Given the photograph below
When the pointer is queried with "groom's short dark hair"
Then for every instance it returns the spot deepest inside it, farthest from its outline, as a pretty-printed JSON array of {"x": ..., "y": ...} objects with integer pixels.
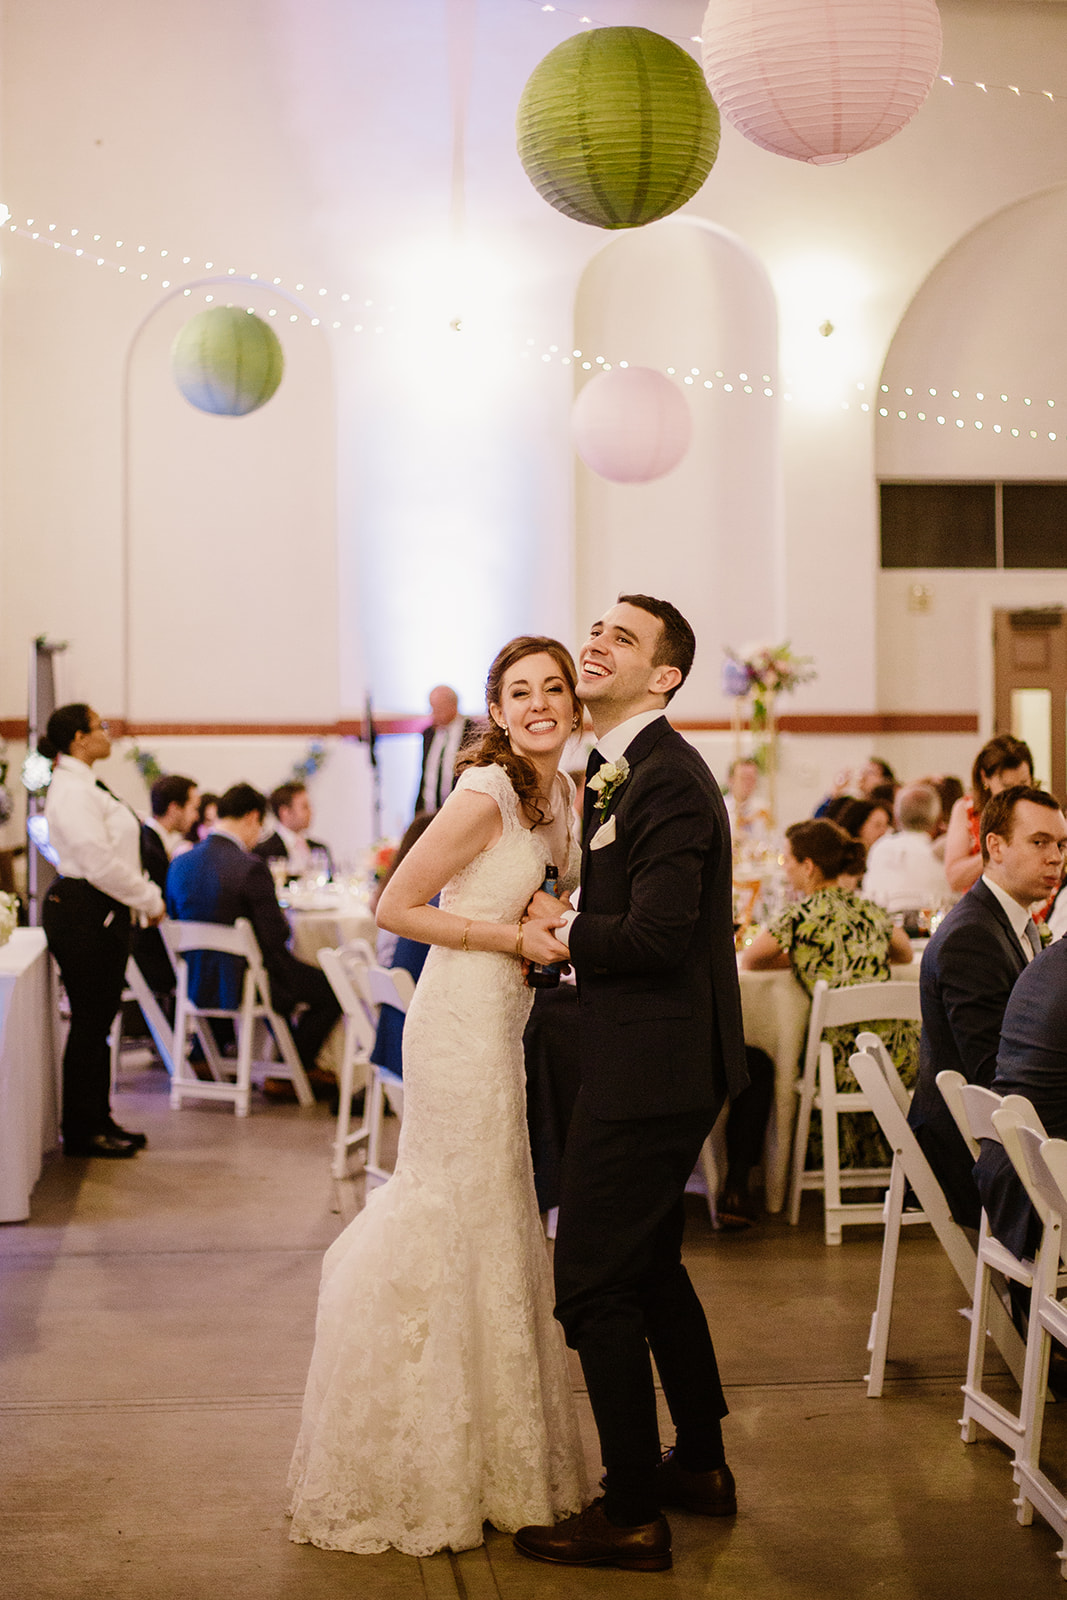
[{"x": 677, "y": 641}]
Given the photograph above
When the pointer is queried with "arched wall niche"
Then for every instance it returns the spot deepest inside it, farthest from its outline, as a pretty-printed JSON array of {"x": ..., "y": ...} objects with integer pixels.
[
  {"x": 231, "y": 536},
  {"x": 987, "y": 321},
  {"x": 708, "y": 535}
]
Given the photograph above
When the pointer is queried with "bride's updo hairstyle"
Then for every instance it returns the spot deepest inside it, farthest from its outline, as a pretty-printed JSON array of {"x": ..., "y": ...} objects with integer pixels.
[
  {"x": 831, "y": 849},
  {"x": 494, "y": 747},
  {"x": 63, "y": 726}
]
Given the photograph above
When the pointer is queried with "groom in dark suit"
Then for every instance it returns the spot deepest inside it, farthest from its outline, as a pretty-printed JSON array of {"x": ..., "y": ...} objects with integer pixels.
[{"x": 662, "y": 1048}]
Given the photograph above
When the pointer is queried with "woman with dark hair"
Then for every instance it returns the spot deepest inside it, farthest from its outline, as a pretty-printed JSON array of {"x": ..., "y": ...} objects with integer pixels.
[
  {"x": 207, "y": 812},
  {"x": 830, "y": 933},
  {"x": 439, "y": 1397},
  {"x": 865, "y": 820},
  {"x": 1001, "y": 763},
  {"x": 86, "y": 918}
]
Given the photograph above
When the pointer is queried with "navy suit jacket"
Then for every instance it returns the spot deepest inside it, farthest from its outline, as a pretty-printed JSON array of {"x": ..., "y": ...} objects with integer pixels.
[
  {"x": 219, "y": 881},
  {"x": 653, "y": 946},
  {"x": 967, "y": 976},
  {"x": 1033, "y": 1062}
]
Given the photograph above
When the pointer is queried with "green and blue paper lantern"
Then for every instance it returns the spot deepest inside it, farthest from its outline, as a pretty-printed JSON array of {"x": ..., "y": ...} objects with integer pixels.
[
  {"x": 616, "y": 127},
  {"x": 227, "y": 361}
]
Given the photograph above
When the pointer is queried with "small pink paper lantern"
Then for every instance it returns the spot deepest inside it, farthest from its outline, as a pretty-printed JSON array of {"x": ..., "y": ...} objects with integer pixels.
[
  {"x": 631, "y": 425},
  {"x": 820, "y": 80}
]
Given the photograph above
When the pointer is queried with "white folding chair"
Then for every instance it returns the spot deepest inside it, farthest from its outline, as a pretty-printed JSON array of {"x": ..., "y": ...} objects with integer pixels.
[
  {"x": 362, "y": 988},
  {"x": 1042, "y": 1168},
  {"x": 384, "y": 986},
  {"x": 158, "y": 1026},
  {"x": 230, "y": 1080},
  {"x": 881, "y": 1085},
  {"x": 979, "y": 1105},
  {"x": 859, "y": 1002}
]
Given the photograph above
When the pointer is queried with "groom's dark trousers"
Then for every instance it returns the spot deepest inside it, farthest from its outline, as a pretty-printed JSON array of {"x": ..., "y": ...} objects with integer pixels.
[{"x": 662, "y": 1047}]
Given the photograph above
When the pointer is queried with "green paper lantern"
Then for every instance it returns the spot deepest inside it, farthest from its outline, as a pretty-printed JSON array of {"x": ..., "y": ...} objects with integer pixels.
[
  {"x": 227, "y": 361},
  {"x": 616, "y": 127}
]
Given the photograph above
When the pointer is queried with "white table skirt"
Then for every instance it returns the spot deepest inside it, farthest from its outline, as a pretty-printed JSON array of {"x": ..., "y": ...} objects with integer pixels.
[
  {"x": 29, "y": 1089},
  {"x": 775, "y": 1012}
]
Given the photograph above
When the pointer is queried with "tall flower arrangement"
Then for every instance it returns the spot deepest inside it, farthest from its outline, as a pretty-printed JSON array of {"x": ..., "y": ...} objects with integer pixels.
[{"x": 754, "y": 678}]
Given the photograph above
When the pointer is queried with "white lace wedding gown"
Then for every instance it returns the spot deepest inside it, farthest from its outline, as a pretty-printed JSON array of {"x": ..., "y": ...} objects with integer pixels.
[{"x": 438, "y": 1396}]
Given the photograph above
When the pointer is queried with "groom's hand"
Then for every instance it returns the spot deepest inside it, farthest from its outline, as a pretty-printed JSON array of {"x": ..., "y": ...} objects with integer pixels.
[{"x": 548, "y": 907}]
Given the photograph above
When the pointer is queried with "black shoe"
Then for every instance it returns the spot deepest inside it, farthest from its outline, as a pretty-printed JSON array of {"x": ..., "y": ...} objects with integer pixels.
[
  {"x": 138, "y": 1140},
  {"x": 101, "y": 1144},
  {"x": 706, "y": 1494},
  {"x": 590, "y": 1540}
]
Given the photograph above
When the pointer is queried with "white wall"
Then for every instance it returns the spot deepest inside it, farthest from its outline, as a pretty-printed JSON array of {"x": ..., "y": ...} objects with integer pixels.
[{"x": 310, "y": 140}]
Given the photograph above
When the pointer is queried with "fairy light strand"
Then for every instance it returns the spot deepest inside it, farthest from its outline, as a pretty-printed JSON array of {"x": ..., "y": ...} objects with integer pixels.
[{"x": 899, "y": 402}]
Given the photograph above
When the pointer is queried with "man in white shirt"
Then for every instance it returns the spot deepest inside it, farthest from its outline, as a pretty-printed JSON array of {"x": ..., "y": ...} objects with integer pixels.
[
  {"x": 903, "y": 873},
  {"x": 749, "y": 816},
  {"x": 291, "y": 805},
  {"x": 441, "y": 743}
]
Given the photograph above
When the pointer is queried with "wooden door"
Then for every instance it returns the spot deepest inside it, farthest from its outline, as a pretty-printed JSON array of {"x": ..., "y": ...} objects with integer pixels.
[{"x": 1030, "y": 657}]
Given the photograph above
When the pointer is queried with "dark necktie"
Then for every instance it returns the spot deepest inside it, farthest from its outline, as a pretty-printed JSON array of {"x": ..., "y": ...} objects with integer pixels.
[{"x": 592, "y": 767}]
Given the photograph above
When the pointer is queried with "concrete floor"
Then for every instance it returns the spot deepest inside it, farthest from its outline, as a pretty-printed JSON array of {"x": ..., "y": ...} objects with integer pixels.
[{"x": 156, "y": 1321}]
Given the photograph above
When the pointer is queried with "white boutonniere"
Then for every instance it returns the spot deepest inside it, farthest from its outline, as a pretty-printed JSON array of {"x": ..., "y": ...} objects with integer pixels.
[{"x": 607, "y": 783}]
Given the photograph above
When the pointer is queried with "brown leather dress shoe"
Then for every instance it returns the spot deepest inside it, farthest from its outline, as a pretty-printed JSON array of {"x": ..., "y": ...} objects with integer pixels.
[
  {"x": 590, "y": 1540},
  {"x": 735, "y": 1210},
  {"x": 706, "y": 1494}
]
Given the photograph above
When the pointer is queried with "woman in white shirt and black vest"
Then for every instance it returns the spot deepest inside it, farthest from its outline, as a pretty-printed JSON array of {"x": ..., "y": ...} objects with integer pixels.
[{"x": 87, "y": 919}]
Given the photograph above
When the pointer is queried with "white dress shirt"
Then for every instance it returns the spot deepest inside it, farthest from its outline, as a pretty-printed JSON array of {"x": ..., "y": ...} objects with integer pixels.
[
  {"x": 296, "y": 848},
  {"x": 441, "y": 762},
  {"x": 904, "y": 874},
  {"x": 98, "y": 838},
  {"x": 1018, "y": 916},
  {"x": 614, "y": 744}
]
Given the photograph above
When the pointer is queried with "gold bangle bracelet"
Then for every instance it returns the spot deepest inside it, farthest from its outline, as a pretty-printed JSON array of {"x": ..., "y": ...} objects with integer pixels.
[
  {"x": 463, "y": 942},
  {"x": 518, "y": 942}
]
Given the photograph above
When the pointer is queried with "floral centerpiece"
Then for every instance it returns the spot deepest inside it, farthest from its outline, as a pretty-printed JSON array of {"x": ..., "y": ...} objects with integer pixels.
[
  {"x": 146, "y": 764},
  {"x": 303, "y": 771},
  {"x": 381, "y": 858},
  {"x": 9, "y": 915},
  {"x": 759, "y": 674},
  {"x": 36, "y": 773}
]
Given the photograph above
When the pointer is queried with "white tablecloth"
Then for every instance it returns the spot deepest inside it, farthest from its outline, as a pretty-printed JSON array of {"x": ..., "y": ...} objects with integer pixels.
[
  {"x": 29, "y": 1091},
  {"x": 319, "y": 930},
  {"x": 775, "y": 1011}
]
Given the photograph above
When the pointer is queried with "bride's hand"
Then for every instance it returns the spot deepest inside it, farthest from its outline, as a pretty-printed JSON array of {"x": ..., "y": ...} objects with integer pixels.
[{"x": 539, "y": 943}]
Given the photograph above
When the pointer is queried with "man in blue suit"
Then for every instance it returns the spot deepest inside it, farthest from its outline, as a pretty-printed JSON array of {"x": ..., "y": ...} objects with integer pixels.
[
  {"x": 1032, "y": 1062},
  {"x": 970, "y": 969},
  {"x": 221, "y": 880}
]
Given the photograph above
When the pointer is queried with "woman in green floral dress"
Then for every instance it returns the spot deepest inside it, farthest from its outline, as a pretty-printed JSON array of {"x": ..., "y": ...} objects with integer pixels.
[{"x": 831, "y": 933}]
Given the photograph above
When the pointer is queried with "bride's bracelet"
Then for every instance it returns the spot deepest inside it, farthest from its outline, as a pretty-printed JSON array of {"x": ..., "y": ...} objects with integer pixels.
[
  {"x": 463, "y": 942},
  {"x": 518, "y": 943}
]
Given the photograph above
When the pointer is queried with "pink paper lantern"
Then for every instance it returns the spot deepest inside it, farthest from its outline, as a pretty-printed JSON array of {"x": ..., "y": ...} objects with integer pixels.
[
  {"x": 820, "y": 80},
  {"x": 631, "y": 425}
]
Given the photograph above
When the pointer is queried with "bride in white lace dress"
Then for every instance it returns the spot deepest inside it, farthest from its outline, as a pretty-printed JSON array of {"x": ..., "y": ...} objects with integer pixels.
[{"x": 438, "y": 1396}]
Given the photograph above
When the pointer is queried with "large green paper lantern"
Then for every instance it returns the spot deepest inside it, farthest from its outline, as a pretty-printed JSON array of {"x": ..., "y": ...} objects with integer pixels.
[
  {"x": 616, "y": 127},
  {"x": 227, "y": 361}
]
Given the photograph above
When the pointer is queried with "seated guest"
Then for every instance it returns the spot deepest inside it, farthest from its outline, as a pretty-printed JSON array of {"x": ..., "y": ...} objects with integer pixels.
[
  {"x": 749, "y": 816},
  {"x": 830, "y": 933},
  {"x": 175, "y": 808},
  {"x": 291, "y": 806},
  {"x": 970, "y": 969},
  {"x": 865, "y": 820},
  {"x": 1002, "y": 763},
  {"x": 174, "y": 803},
  {"x": 903, "y": 874},
  {"x": 388, "y": 1049},
  {"x": 872, "y": 775},
  {"x": 1031, "y": 1061},
  {"x": 223, "y": 879},
  {"x": 206, "y": 812}
]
